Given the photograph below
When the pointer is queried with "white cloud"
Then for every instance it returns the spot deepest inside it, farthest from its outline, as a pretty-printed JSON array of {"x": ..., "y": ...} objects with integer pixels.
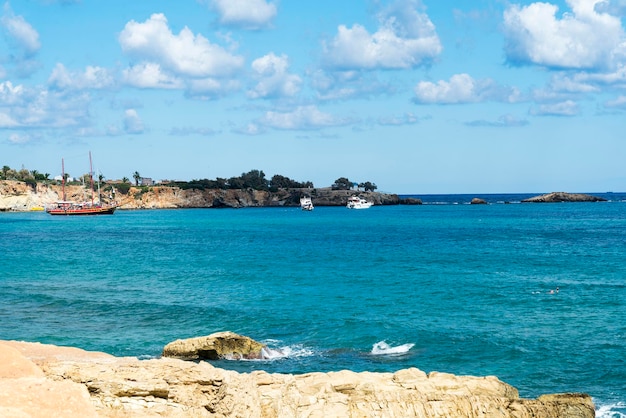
[
  {"x": 210, "y": 88},
  {"x": 344, "y": 85},
  {"x": 92, "y": 78},
  {"x": 132, "y": 122},
  {"x": 582, "y": 39},
  {"x": 149, "y": 75},
  {"x": 614, "y": 7},
  {"x": 10, "y": 94},
  {"x": 619, "y": 103},
  {"x": 6, "y": 121},
  {"x": 303, "y": 117},
  {"x": 273, "y": 78},
  {"x": 17, "y": 138},
  {"x": 566, "y": 108},
  {"x": 41, "y": 108},
  {"x": 405, "y": 39},
  {"x": 251, "y": 129},
  {"x": 183, "y": 55},
  {"x": 20, "y": 31},
  {"x": 397, "y": 120},
  {"x": 504, "y": 121},
  {"x": 462, "y": 88},
  {"x": 248, "y": 14}
]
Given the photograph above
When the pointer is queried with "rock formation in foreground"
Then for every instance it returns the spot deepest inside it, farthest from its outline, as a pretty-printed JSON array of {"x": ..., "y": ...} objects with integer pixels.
[
  {"x": 220, "y": 345},
  {"x": 556, "y": 197},
  {"x": 39, "y": 380}
]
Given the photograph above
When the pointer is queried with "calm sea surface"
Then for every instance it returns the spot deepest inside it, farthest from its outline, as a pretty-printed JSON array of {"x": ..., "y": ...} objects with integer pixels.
[{"x": 445, "y": 286}]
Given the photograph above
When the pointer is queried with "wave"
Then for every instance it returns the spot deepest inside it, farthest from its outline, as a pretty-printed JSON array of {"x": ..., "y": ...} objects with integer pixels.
[
  {"x": 272, "y": 351},
  {"x": 381, "y": 348},
  {"x": 617, "y": 410}
]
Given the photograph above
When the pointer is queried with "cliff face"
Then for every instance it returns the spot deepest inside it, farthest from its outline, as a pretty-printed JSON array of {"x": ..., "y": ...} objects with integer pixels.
[
  {"x": 40, "y": 380},
  {"x": 18, "y": 196},
  {"x": 173, "y": 197}
]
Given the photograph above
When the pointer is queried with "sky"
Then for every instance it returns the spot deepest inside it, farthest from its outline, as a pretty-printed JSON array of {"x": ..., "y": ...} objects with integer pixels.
[{"x": 415, "y": 96}]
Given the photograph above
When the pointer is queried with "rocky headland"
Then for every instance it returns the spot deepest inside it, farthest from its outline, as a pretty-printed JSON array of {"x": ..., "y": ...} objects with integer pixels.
[
  {"x": 19, "y": 196},
  {"x": 38, "y": 380}
]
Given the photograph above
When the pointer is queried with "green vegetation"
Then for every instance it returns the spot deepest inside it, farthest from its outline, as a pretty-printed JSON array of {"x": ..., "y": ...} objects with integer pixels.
[
  {"x": 23, "y": 175},
  {"x": 343, "y": 183},
  {"x": 253, "y": 179}
]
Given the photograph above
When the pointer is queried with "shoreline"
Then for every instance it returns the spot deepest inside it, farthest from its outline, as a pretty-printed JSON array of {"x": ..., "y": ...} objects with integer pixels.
[
  {"x": 47, "y": 380},
  {"x": 18, "y": 196}
]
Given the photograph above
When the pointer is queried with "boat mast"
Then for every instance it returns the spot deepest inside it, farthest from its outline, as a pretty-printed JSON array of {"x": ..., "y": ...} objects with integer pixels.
[
  {"x": 63, "y": 177},
  {"x": 91, "y": 177}
]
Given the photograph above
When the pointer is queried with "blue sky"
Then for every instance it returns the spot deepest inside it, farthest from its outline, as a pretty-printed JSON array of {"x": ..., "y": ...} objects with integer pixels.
[{"x": 487, "y": 96}]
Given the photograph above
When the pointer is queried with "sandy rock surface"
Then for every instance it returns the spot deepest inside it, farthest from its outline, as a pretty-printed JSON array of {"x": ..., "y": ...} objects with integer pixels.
[{"x": 39, "y": 380}]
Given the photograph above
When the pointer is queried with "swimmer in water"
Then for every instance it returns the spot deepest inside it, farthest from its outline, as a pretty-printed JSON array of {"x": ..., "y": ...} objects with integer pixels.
[{"x": 554, "y": 291}]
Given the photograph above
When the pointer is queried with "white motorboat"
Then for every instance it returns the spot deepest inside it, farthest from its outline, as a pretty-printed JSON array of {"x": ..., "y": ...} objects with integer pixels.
[
  {"x": 306, "y": 203},
  {"x": 355, "y": 202}
]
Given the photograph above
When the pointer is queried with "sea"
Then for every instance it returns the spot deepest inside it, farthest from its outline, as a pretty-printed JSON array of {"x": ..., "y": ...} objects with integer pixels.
[{"x": 534, "y": 294}]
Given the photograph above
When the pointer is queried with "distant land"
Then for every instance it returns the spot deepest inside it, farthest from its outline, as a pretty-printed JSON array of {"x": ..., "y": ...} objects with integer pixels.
[{"x": 26, "y": 196}]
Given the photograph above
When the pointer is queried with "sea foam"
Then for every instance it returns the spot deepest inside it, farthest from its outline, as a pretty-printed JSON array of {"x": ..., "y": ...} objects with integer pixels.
[
  {"x": 617, "y": 410},
  {"x": 382, "y": 348}
]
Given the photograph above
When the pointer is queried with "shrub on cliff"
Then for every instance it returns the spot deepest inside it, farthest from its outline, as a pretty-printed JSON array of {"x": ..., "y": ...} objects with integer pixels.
[{"x": 123, "y": 188}]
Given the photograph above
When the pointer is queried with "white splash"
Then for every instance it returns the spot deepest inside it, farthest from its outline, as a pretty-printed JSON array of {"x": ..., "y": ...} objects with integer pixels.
[
  {"x": 274, "y": 353},
  {"x": 611, "y": 411},
  {"x": 382, "y": 348}
]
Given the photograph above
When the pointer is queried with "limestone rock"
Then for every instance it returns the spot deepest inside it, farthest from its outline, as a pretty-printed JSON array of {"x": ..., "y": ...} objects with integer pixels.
[
  {"x": 563, "y": 197},
  {"x": 25, "y": 392},
  {"x": 478, "y": 201},
  {"x": 215, "y": 346},
  {"x": 128, "y": 387}
]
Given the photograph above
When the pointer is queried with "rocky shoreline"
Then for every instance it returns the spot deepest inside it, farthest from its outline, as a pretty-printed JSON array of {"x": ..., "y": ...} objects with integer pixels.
[
  {"x": 38, "y": 380},
  {"x": 16, "y": 196},
  {"x": 19, "y": 196}
]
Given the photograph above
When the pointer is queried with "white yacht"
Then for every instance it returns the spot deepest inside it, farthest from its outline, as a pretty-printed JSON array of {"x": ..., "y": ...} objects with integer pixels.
[
  {"x": 306, "y": 203},
  {"x": 355, "y": 202}
]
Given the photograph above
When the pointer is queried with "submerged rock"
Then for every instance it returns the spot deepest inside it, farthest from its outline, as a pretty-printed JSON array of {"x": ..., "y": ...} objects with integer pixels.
[
  {"x": 104, "y": 386},
  {"x": 215, "y": 346},
  {"x": 563, "y": 197}
]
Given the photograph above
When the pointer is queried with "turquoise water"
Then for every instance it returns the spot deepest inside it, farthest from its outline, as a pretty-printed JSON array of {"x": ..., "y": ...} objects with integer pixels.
[{"x": 468, "y": 285}]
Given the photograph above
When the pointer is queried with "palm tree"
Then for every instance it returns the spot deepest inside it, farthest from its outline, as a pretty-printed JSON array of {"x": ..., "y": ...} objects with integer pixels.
[
  {"x": 136, "y": 176},
  {"x": 124, "y": 179},
  {"x": 5, "y": 170}
]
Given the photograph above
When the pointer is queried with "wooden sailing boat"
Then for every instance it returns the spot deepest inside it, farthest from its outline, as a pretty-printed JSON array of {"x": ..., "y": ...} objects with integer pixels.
[{"x": 65, "y": 207}]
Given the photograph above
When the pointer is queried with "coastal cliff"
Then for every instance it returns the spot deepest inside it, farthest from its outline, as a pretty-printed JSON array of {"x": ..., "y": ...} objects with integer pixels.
[
  {"x": 19, "y": 196},
  {"x": 38, "y": 380}
]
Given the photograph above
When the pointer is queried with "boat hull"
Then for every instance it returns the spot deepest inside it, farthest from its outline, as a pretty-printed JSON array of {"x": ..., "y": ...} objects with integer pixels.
[{"x": 83, "y": 211}]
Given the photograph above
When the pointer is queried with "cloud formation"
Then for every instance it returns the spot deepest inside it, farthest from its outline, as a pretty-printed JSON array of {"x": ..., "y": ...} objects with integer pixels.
[
  {"x": 302, "y": 118},
  {"x": 132, "y": 122},
  {"x": 405, "y": 39},
  {"x": 182, "y": 55},
  {"x": 565, "y": 108},
  {"x": 92, "y": 78},
  {"x": 586, "y": 38},
  {"x": 273, "y": 78},
  {"x": 462, "y": 88},
  {"x": 247, "y": 14},
  {"x": 23, "y": 35}
]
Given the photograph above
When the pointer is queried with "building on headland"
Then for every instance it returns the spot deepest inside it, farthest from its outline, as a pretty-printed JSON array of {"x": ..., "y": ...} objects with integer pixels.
[{"x": 146, "y": 181}]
